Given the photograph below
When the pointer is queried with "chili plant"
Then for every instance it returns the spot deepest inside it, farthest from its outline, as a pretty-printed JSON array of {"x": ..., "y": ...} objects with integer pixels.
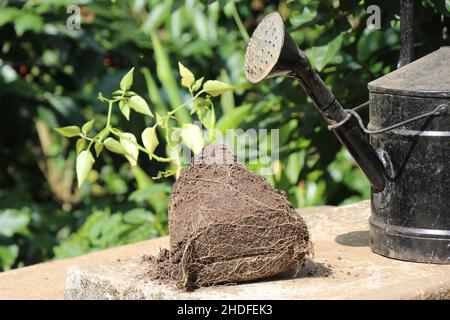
[{"x": 126, "y": 143}]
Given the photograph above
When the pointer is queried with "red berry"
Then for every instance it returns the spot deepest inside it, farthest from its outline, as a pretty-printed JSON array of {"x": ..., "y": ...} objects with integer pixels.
[{"x": 23, "y": 69}]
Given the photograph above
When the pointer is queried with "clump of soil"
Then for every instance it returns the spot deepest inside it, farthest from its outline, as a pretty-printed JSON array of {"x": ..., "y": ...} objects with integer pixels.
[{"x": 228, "y": 225}]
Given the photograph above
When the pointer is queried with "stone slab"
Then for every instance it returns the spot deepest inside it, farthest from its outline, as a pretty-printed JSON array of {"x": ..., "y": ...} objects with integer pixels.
[
  {"x": 46, "y": 281},
  {"x": 343, "y": 267}
]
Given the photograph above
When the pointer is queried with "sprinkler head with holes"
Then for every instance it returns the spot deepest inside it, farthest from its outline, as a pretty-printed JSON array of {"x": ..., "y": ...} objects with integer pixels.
[{"x": 271, "y": 50}]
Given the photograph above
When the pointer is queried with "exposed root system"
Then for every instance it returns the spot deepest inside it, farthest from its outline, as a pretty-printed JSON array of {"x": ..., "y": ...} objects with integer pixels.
[{"x": 228, "y": 225}]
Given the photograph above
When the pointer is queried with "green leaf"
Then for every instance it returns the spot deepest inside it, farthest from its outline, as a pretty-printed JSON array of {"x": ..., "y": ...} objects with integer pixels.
[
  {"x": 137, "y": 216},
  {"x": 127, "y": 80},
  {"x": 167, "y": 79},
  {"x": 157, "y": 16},
  {"x": 321, "y": 56},
  {"x": 209, "y": 120},
  {"x": 138, "y": 104},
  {"x": 206, "y": 114},
  {"x": 228, "y": 8},
  {"x": 13, "y": 221},
  {"x": 294, "y": 166},
  {"x": 114, "y": 146},
  {"x": 201, "y": 24},
  {"x": 125, "y": 109},
  {"x": 70, "y": 131},
  {"x": 87, "y": 126},
  {"x": 142, "y": 179},
  {"x": 98, "y": 148},
  {"x": 8, "y": 255},
  {"x": 176, "y": 158},
  {"x": 227, "y": 98},
  {"x": 81, "y": 143},
  {"x": 27, "y": 21},
  {"x": 153, "y": 92},
  {"x": 232, "y": 120},
  {"x": 192, "y": 137},
  {"x": 443, "y": 6},
  {"x": 300, "y": 17},
  {"x": 85, "y": 160},
  {"x": 128, "y": 142},
  {"x": 187, "y": 77},
  {"x": 369, "y": 43},
  {"x": 201, "y": 107},
  {"x": 156, "y": 194},
  {"x": 216, "y": 87},
  {"x": 7, "y": 15},
  {"x": 197, "y": 84},
  {"x": 150, "y": 139}
]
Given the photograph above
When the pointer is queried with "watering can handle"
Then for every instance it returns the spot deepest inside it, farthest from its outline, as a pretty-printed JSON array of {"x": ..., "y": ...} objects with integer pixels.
[{"x": 440, "y": 110}]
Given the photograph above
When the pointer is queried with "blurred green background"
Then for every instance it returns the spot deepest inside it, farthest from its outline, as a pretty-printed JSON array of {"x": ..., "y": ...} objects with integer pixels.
[{"x": 50, "y": 77}]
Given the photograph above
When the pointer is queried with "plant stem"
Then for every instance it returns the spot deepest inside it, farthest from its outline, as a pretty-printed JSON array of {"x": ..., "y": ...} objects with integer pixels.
[
  {"x": 91, "y": 140},
  {"x": 108, "y": 122},
  {"x": 185, "y": 103},
  {"x": 213, "y": 125}
]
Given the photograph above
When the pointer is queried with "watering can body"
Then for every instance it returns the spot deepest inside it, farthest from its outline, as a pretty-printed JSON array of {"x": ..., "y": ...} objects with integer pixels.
[{"x": 410, "y": 217}]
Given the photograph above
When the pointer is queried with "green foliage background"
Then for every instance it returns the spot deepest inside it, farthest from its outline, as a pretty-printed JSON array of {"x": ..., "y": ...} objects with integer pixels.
[{"x": 50, "y": 77}]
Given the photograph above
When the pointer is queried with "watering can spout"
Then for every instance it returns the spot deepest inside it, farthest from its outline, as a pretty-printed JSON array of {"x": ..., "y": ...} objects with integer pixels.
[{"x": 272, "y": 52}]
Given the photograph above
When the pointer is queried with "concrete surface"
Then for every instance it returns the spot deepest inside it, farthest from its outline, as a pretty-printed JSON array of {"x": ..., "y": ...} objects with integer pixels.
[{"x": 343, "y": 267}]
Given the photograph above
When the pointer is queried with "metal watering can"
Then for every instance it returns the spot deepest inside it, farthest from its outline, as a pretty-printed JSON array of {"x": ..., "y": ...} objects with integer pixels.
[{"x": 405, "y": 150}]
